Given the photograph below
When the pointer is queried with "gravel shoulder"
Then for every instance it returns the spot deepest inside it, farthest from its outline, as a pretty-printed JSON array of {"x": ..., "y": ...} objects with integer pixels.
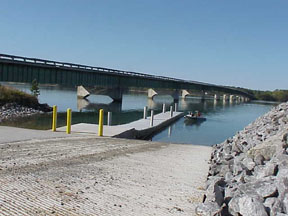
[{"x": 101, "y": 176}]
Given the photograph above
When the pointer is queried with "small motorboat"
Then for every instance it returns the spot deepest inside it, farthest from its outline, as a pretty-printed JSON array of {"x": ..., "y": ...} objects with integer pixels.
[{"x": 193, "y": 117}]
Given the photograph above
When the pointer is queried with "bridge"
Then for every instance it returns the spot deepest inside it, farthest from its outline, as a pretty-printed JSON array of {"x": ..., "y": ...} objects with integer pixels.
[{"x": 105, "y": 81}]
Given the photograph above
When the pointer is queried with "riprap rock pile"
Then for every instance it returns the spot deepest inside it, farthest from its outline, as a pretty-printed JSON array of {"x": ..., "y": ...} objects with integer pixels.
[
  {"x": 12, "y": 110},
  {"x": 249, "y": 173}
]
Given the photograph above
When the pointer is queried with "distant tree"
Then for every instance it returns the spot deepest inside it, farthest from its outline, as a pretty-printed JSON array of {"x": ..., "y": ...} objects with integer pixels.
[
  {"x": 276, "y": 95},
  {"x": 266, "y": 96},
  {"x": 281, "y": 95},
  {"x": 35, "y": 88}
]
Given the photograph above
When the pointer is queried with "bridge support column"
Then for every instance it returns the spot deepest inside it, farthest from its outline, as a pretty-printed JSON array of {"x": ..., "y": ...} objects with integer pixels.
[
  {"x": 216, "y": 97},
  {"x": 82, "y": 92},
  {"x": 116, "y": 94},
  {"x": 203, "y": 96},
  {"x": 151, "y": 93},
  {"x": 184, "y": 93},
  {"x": 173, "y": 93},
  {"x": 238, "y": 98},
  {"x": 225, "y": 97},
  {"x": 232, "y": 98}
]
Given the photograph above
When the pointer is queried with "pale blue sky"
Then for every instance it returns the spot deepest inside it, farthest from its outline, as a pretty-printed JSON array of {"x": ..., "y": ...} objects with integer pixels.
[{"x": 227, "y": 42}]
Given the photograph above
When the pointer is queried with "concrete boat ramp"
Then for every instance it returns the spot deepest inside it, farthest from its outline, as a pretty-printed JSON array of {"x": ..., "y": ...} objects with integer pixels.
[
  {"x": 54, "y": 173},
  {"x": 139, "y": 129}
]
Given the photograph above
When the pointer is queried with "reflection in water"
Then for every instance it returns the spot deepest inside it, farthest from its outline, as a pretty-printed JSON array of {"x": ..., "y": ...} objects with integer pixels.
[
  {"x": 85, "y": 104},
  {"x": 215, "y": 103},
  {"x": 224, "y": 103},
  {"x": 194, "y": 122},
  {"x": 82, "y": 103},
  {"x": 158, "y": 104},
  {"x": 223, "y": 118},
  {"x": 205, "y": 104},
  {"x": 169, "y": 131}
]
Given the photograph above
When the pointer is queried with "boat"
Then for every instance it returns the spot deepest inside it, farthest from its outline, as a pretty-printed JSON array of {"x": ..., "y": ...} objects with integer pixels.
[{"x": 193, "y": 117}]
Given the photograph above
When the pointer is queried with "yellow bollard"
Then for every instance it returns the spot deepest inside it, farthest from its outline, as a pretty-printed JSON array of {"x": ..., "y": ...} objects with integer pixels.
[
  {"x": 100, "y": 126},
  {"x": 69, "y": 116},
  {"x": 54, "y": 118}
]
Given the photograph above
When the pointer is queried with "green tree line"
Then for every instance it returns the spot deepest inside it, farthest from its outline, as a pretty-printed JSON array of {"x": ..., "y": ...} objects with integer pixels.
[{"x": 277, "y": 95}]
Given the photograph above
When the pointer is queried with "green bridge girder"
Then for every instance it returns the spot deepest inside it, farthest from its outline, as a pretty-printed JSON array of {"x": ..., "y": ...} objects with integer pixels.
[{"x": 24, "y": 70}]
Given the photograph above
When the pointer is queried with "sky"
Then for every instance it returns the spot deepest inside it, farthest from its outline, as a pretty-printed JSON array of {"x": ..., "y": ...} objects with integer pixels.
[{"x": 224, "y": 42}]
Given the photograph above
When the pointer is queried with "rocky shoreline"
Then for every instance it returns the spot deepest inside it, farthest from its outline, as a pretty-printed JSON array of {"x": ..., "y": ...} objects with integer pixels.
[
  {"x": 11, "y": 111},
  {"x": 248, "y": 173}
]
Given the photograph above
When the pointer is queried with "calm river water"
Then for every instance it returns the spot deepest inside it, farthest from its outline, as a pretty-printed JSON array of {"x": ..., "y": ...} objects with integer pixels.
[{"x": 223, "y": 120}]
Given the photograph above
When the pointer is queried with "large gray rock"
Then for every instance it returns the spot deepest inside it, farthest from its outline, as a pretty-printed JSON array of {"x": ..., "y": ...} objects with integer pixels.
[
  {"x": 269, "y": 202},
  {"x": 285, "y": 203},
  {"x": 282, "y": 182},
  {"x": 268, "y": 148},
  {"x": 248, "y": 163},
  {"x": 263, "y": 188},
  {"x": 280, "y": 214},
  {"x": 285, "y": 140},
  {"x": 246, "y": 206},
  {"x": 208, "y": 209},
  {"x": 259, "y": 159},
  {"x": 266, "y": 189},
  {"x": 277, "y": 207},
  {"x": 230, "y": 192},
  {"x": 250, "y": 170},
  {"x": 270, "y": 169},
  {"x": 214, "y": 191}
]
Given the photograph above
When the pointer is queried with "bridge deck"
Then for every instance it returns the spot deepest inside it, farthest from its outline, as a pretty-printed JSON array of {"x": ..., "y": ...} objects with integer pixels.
[{"x": 23, "y": 69}]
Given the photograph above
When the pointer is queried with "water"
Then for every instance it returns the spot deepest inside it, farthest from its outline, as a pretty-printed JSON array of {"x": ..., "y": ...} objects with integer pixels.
[{"x": 223, "y": 120}]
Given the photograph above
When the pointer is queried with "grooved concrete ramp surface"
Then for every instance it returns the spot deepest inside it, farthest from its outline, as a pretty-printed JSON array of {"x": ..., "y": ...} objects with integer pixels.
[
  {"x": 12, "y": 134},
  {"x": 100, "y": 176}
]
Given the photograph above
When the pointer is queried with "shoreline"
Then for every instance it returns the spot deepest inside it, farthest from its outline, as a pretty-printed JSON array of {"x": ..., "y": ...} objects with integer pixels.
[
  {"x": 13, "y": 111},
  {"x": 248, "y": 172}
]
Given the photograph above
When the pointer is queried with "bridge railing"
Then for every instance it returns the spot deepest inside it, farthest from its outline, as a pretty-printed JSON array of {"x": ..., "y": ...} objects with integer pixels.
[
  {"x": 85, "y": 67},
  {"x": 37, "y": 61}
]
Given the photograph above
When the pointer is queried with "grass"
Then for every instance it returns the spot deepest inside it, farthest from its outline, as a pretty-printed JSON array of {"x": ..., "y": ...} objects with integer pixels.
[{"x": 11, "y": 95}]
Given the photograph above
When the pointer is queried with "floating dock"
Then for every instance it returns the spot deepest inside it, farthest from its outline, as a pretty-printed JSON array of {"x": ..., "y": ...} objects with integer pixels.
[{"x": 139, "y": 129}]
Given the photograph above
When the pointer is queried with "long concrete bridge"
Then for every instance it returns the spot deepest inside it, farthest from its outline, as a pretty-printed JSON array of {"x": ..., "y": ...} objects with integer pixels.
[{"x": 104, "y": 81}]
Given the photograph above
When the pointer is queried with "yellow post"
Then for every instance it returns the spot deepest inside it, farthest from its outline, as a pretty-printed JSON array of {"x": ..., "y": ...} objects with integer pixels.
[
  {"x": 100, "y": 126},
  {"x": 54, "y": 118},
  {"x": 69, "y": 115}
]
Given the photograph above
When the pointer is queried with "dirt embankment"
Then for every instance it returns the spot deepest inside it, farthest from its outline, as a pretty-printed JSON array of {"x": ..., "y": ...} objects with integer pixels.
[{"x": 15, "y": 103}]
